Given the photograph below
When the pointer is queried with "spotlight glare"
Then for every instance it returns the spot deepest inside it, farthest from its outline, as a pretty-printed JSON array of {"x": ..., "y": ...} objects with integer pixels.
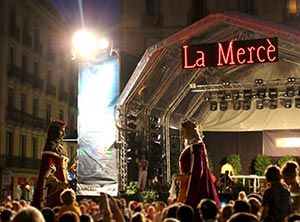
[
  {"x": 84, "y": 43},
  {"x": 103, "y": 44}
]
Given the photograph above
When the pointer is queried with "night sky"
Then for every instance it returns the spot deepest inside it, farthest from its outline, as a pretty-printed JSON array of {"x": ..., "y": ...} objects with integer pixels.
[{"x": 101, "y": 16}]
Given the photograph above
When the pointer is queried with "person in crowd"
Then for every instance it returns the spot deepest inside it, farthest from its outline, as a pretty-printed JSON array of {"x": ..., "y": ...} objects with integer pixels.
[
  {"x": 6, "y": 215},
  {"x": 243, "y": 217},
  {"x": 160, "y": 207},
  {"x": 29, "y": 214},
  {"x": 241, "y": 206},
  {"x": 69, "y": 216},
  {"x": 185, "y": 213},
  {"x": 290, "y": 175},
  {"x": 208, "y": 210},
  {"x": 68, "y": 198},
  {"x": 227, "y": 167},
  {"x": 276, "y": 199},
  {"x": 255, "y": 205},
  {"x": 142, "y": 173},
  {"x": 138, "y": 217},
  {"x": 52, "y": 177},
  {"x": 86, "y": 218},
  {"x": 226, "y": 212},
  {"x": 195, "y": 177},
  {"x": 242, "y": 196},
  {"x": 225, "y": 183},
  {"x": 171, "y": 220},
  {"x": 295, "y": 217},
  {"x": 48, "y": 214}
]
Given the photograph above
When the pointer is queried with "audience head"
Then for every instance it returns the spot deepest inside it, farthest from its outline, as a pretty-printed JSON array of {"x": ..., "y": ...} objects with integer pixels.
[
  {"x": 69, "y": 216},
  {"x": 243, "y": 217},
  {"x": 255, "y": 205},
  {"x": 207, "y": 209},
  {"x": 68, "y": 196},
  {"x": 290, "y": 171},
  {"x": 256, "y": 196},
  {"x": 273, "y": 174},
  {"x": 242, "y": 196},
  {"x": 86, "y": 218},
  {"x": 138, "y": 217},
  {"x": 6, "y": 215},
  {"x": 172, "y": 210},
  {"x": 29, "y": 214},
  {"x": 241, "y": 206},
  {"x": 185, "y": 213},
  {"x": 48, "y": 214},
  {"x": 171, "y": 220},
  {"x": 293, "y": 218},
  {"x": 226, "y": 212}
]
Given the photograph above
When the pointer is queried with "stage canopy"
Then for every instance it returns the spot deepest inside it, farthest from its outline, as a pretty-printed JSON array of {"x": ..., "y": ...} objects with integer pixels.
[{"x": 161, "y": 88}]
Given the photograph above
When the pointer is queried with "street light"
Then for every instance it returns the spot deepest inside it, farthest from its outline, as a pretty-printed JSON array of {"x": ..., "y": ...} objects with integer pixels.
[{"x": 86, "y": 45}]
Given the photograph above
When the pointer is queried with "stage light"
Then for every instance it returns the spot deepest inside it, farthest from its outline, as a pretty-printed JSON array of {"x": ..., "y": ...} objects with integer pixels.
[
  {"x": 258, "y": 81},
  {"x": 248, "y": 94},
  {"x": 235, "y": 94},
  {"x": 226, "y": 83},
  {"x": 154, "y": 119},
  {"x": 223, "y": 105},
  {"x": 287, "y": 103},
  {"x": 131, "y": 117},
  {"x": 156, "y": 138},
  {"x": 259, "y": 104},
  {"x": 227, "y": 95},
  {"x": 246, "y": 104},
  {"x": 273, "y": 104},
  {"x": 221, "y": 95},
  {"x": 84, "y": 44},
  {"x": 273, "y": 93},
  {"x": 261, "y": 93},
  {"x": 290, "y": 92},
  {"x": 291, "y": 79},
  {"x": 297, "y": 103},
  {"x": 213, "y": 105},
  {"x": 237, "y": 105}
]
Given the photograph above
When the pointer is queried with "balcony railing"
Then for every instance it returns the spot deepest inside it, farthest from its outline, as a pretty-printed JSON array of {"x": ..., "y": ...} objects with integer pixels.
[
  {"x": 51, "y": 56},
  {"x": 19, "y": 162},
  {"x": 14, "y": 71},
  {"x": 27, "y": 40},
  {"x": 38, "y": 83},
  {"x": 27, "y": 78},
  {"x": 14, "y": 32},
  {"x": 24, "y": 118},
  {"x": 51, "y": 89},
  {"x": 38, "y": 47},
  {"x": 63, "y": 95}
]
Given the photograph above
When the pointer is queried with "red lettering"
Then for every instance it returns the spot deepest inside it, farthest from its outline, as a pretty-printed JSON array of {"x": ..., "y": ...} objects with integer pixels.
[
  {"x": 258, "y": 55},
  {"x": 200, "y": 62},
  {"x": 241, "y": 52},
  {"x": 222, "y": 55},
  {"x": 270, "y": 49},
  {"x": 186, "y": 66},
  {"x": 250, "y": 49}
]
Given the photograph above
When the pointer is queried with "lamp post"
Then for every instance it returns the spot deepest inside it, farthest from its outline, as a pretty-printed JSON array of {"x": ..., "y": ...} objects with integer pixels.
[{"x": 98, "y": 89}]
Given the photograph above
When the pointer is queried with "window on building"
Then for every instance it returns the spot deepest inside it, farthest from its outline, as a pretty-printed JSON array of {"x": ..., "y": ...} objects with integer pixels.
[
  {"x": 23, "y": 102},
  {"x": 22, "y": 146},
  {"x": 49, "y": 77},
  {"x": 37, "y": 36},
  {"x": 9, "y": 143},
  {"x": 35, "y": 107},
  {"x": 11, "y": 55},
  {"x": 10, "y": 99},
  {"x": 35, "y": 69},
  {"x": 72, "y": 121},
  {"x": 293, "y": 7},
  {"x": 12, "y": 16},
  {"x": 246, "y": 6},
  {"x": 24, "y": 63},
  {"x": 61, "y": 114},
  {"x": 152, "y": 7},
  {"x": 62, "y": 84},
  {"x": 198, "y": 9},
  {"x": 48, "y": 111},
  {"x": 34, "y": 144}
]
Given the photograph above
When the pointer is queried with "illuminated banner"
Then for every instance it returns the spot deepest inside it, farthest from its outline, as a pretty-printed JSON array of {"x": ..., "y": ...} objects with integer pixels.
[
  {"x": 230, "y": 53},
  {"x": 97, "y": 160}
]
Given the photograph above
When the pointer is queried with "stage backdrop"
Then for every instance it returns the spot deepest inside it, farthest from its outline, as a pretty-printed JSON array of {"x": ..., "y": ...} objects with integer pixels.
[{"x": 97, "y": 160}]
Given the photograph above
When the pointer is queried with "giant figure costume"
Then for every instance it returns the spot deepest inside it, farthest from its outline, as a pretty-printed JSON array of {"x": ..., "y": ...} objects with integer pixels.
[
  {"x": 196, "y": 182},
  {"x": 53, "y": 170}
]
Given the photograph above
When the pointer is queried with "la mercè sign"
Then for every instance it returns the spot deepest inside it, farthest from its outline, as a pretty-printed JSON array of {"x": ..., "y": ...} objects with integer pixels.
[{"x": 230, "y": 53}]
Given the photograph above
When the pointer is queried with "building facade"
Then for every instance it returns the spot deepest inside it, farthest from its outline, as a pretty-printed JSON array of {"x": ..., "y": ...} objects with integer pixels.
[
  {"x": 38, "y": 82},
  {"x": 145, "y": 22}
]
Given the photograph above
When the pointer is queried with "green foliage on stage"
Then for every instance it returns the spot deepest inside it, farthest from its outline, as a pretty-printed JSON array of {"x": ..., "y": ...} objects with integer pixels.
[
  {"x": 261, "y": 163},
  {"x": 149, "y": 196},
  {"x": 132, "y": 188},
  {"x": 235, "y": 161},
  {"x": 286, "y": 158}
]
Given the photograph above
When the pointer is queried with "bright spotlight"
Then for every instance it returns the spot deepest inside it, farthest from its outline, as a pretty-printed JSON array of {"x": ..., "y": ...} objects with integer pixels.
[
  {"x": 84, "y": 44},
  {"x": 103, "y": 44}
]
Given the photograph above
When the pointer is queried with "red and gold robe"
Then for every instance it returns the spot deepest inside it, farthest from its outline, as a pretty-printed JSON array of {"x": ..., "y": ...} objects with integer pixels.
[{"x": 196, "y": 182}]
